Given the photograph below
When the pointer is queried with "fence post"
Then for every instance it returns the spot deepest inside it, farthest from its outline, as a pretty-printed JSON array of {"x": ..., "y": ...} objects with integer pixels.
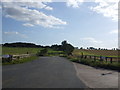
[
  {"x": 106, "y": 59},
  {"x": 81, "y": 54},
  {"x": 18, "y": 57},
  {"x": 111, "y": 60},
  {"x": 94, "y": 58},
  {"x": 90, "y": 57},
  {"x": 79, "y": 58},
  {"x": 101, "y": 59},
  {"x": 85, "y": 56}
]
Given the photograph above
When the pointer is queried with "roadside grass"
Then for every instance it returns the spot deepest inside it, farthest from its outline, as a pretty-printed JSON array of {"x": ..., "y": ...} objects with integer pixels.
[
  {"x": 96, "y": 64},
  {"x": 19, "y": 50},
  {"x": 22, "y": 60},
  {"x": 101, "y": 64}
]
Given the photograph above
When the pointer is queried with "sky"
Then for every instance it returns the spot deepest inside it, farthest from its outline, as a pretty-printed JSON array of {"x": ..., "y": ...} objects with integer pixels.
[{"x": 82, "y": 24}]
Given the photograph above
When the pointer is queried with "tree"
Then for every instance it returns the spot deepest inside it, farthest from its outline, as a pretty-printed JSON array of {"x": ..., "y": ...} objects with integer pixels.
[
  {"x": 56, "y": 47},
  {"x": 91, "y": 48},
  {"x": 81, "y": 48},
  {"x": 67, "y": 48},
  {"x": 64, "y": 43}
]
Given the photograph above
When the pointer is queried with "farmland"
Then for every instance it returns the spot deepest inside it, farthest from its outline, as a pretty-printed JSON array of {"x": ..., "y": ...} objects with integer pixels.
[{"x": 106, "y": 53}]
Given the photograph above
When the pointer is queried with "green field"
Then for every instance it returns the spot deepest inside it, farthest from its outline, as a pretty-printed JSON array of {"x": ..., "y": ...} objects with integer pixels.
[
  {"x": 23, "y": 50},
  {"x": 19, "y": 50}
]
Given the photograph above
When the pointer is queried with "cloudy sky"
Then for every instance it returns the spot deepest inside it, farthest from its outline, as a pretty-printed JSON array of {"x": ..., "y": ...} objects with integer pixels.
[{"x": 83, "y": 24}]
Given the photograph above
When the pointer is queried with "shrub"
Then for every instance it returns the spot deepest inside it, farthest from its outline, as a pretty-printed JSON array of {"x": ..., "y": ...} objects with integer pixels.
[{"x": 43, "y": 52}]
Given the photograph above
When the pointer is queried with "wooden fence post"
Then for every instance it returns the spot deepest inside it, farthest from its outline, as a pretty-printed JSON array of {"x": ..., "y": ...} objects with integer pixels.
[
  {"x": 81, "y": 54},
  {"x": 94, "y": 58},
  {"x": 111, "y": 60},
  {"x": 106, "y": 59},
  {"x": 101, "y": 58},
  {"x": 79, "y": 58},
  {"x": 90, "y": 57},
  {"x": 85, "y": 57}
]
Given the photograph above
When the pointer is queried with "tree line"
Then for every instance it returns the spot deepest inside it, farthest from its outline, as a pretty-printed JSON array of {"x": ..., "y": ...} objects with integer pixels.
[
  {"x": 65, "y": 47},
  {"x": 92, "y": 48},
  {"x": 21, "y": 44}
]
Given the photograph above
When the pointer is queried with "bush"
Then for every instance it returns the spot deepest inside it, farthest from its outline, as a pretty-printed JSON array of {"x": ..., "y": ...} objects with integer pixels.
[{"x": 42, "y": 52}]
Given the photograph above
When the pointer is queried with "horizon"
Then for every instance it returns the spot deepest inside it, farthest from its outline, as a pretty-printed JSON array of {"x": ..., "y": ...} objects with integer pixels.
[
  {"x": 59, "y": 44},
  {"x": 82, "y": 24}
]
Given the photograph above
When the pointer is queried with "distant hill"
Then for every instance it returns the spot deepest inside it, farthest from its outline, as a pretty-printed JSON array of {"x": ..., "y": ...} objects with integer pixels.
[{"x": 21, "y": 44}]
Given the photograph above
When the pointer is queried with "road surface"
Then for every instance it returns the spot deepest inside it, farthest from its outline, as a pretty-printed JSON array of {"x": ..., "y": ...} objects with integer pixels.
[
  {"x": 46, "y": 72},
  {"x": 97, "y": 78}
]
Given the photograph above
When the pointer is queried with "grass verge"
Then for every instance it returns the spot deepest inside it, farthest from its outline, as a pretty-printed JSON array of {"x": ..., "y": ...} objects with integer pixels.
[
  {"x": 22, "y": 60},
  {"x": 97, "y": 63}
]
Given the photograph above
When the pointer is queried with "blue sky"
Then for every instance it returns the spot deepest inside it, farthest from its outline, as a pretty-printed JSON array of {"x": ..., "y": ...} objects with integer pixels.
[{"x": 82, "y": 24}]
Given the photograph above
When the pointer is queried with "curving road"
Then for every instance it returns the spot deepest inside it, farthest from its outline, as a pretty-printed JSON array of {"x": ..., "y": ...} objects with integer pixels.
[{"x": 46, "y": 72}]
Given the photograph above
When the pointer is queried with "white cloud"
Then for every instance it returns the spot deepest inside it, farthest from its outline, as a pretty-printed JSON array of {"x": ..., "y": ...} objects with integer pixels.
[
  {"x": 39, "y": 5},
  {"x": 10, "y": 33},
  {"x": 26, "y": 0},
  {"x": 28, "y": 24},
  {"x": 114, "y": 32},
  {"x": 90, "y": 41},
  {"x": 107, "y": 8},
  {"x": 16, "y": 33},
  {"x": 48, "y": 8},
  {"x": 31, "y": 17},
  {"x": 74, "y": 3}
]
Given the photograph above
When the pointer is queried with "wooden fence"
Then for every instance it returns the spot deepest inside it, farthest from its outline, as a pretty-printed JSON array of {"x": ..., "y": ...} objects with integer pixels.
[
  {"x": 20, "y": 56},
  {"x": 15, "y": 57},
  {"x": 100, "y": 58}
]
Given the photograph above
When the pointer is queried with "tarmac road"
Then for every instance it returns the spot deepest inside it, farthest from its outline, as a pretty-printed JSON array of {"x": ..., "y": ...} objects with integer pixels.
[{"x": 46, "y": 72}]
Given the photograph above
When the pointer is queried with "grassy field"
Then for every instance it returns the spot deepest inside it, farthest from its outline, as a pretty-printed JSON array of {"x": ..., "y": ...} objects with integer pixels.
[
  {"x": 19, "y": 50},
  {"x": 22, "y": 50},
  {"x": 106, "y": 53}
]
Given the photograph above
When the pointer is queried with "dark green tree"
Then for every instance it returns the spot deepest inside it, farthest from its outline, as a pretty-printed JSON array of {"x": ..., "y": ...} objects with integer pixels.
[
  {"x": 43, "y": 52},
  {"x": 67, "y": 48}
]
